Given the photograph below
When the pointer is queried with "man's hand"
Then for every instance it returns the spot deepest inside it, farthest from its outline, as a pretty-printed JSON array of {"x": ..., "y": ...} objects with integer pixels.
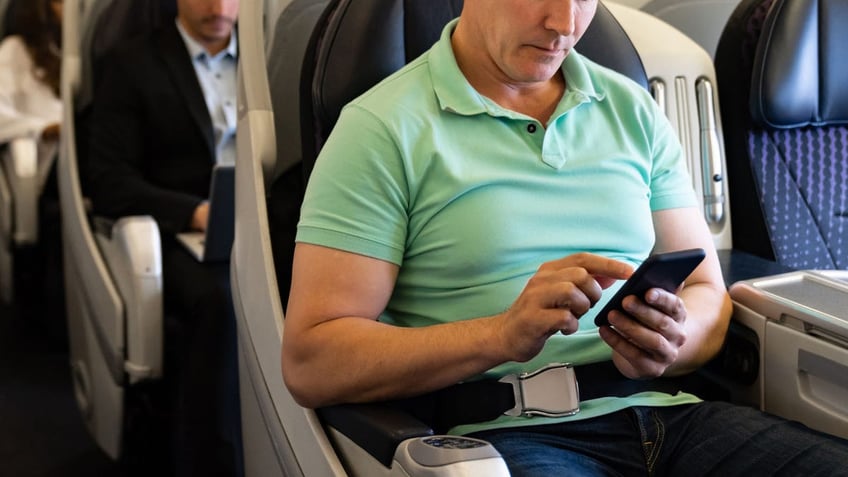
[
  {"x": 646, "y": 340},
  {"x": 200, "y": 217},
  {"x": 555, "y": 298}
]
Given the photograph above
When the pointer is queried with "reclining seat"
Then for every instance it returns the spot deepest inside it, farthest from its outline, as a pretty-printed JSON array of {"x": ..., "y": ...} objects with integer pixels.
[
  {"x": 780, "y": 72},
  {"x": 324, "y": 54},
  {"x": 113, "y": 274},
  {"x": 365, "y": 42},
  {"x": 676, "y": 70},
  {"x": 784, "y": 106}
]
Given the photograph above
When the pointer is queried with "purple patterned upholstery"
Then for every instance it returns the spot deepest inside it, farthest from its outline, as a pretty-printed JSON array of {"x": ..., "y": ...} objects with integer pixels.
[{"x": 802, "y": 179}]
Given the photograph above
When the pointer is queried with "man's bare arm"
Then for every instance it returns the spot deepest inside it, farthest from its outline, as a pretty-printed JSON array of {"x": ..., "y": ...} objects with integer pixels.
[{"x": 335, "y": 350}]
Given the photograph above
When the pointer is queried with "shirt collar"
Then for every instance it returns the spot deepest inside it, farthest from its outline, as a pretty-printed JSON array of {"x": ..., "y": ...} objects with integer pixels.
[
  {"x": 197, "y": 51},
  {"x": 456, "y": 94}
]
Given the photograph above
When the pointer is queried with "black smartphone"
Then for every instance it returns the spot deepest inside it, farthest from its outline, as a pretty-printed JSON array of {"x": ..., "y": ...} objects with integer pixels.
[{"x": 663, "y": 270}]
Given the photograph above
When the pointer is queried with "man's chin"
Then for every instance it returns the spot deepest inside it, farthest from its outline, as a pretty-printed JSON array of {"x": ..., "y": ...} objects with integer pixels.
[
  {"x": 218, "y": 30},
  {"x": 217, "y": 34}
]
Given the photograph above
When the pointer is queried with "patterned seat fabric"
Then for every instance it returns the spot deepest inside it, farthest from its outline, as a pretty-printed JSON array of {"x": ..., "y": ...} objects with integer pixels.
[
  {"x": 784, "y": 111},
  {"x": 802, "y": 178}
]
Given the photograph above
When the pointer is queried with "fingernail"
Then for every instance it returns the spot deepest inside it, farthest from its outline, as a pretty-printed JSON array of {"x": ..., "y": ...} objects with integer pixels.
[{"x": 653, "y": 295}]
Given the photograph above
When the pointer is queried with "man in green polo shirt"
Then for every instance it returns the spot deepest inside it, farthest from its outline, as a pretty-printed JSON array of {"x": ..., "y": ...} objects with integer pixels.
[{"x": 467, "y": 218}]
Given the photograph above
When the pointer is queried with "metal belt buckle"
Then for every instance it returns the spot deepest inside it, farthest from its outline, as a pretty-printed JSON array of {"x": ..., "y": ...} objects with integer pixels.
[{"x": 550, "y": 391}]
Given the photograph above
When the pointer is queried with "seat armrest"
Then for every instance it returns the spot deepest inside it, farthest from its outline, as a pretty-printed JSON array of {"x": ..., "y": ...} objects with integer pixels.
[
  {"x": 20, "y": 167},
  {"x": 737, "y": 265},
  {"x": 801, "y": 326},
  {"x": 378, "y": 429},
  {"x": 133, "y": 252},
  {"x": 376, "y": 438}
]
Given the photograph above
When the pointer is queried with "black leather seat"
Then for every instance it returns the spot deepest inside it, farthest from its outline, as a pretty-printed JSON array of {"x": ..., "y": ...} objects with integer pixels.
[
  {"x": 363, "y": 41},
  {"x": 354, "y": 45}
]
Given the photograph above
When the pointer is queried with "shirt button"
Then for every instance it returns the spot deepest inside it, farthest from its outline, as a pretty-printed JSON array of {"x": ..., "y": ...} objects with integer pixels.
[{"x": 531, "y": 128}]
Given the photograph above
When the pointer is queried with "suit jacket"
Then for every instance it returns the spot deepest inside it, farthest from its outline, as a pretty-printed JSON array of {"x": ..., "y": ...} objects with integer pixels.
[{"x": 151, "y": 147}]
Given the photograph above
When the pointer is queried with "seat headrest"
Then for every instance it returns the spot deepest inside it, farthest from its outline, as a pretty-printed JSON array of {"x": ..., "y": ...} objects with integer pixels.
[
  {"x": 605, "y": 42},
  {"x": 365, "y": 41},
  {"x": 799, "y": 71}
]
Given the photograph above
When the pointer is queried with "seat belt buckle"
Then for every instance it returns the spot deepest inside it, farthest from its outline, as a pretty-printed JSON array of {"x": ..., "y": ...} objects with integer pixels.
[{"x": 550, "y": 391}]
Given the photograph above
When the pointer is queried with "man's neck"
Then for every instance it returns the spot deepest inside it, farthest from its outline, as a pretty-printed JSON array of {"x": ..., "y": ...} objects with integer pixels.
[
  {"x": 538, "y": 99},
  {"x": 538, "y": 102},
  {"x": 216, "y": 47}
]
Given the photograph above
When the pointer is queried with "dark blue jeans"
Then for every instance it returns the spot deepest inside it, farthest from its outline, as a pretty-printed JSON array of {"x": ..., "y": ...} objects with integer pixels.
[{"x": 706, "y": 439}]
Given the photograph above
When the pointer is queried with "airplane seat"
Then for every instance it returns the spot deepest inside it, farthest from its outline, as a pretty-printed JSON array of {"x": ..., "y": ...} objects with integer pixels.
[
  {"x": 779, "y": 69},
  {"x": 416, "y": 26},
  {"x": 325, "y": 53},
  {"x": 786, "y": 119},
  {"x": 113, "y": 272}
]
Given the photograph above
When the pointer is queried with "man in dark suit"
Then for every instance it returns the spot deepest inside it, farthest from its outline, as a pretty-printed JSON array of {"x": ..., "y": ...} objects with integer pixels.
[{"x": 163, "y": 115}]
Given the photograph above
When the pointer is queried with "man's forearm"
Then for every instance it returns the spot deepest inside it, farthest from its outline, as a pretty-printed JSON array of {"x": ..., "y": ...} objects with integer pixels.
[
  {"x": 708, "y": 308},
  {"x": 372, "y": 361}
]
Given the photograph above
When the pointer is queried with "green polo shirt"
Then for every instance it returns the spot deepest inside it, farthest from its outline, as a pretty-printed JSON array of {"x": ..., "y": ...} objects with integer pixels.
[{"x": 469, "y": 198}]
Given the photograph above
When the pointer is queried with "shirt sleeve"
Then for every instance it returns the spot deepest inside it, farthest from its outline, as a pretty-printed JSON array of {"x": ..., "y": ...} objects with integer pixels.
[
  {"x": 671, "y": 183},
  {"x": 357, "y": 198},
  {"x": 14, "y": 122}
]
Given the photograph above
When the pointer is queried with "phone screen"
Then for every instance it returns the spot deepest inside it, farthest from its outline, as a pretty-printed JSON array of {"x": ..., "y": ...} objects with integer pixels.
[{"x": 663, "y": 270}]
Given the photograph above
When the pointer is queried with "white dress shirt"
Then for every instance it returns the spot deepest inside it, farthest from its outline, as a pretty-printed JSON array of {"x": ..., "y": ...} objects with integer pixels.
[
  {"x": 27, "y": 105},
  {"x": 217, "y": 77}
]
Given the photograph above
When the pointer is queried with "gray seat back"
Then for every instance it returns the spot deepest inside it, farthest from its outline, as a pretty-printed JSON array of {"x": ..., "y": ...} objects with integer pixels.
[{"x": 114, "y": 314}]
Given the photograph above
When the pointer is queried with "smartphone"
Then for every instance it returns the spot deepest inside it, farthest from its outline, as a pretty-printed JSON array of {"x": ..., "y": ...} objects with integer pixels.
[{"x": 663, "y": 270}]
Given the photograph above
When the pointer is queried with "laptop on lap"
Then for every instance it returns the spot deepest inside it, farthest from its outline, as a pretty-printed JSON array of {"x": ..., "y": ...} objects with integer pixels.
[{"x": 214, "y": 245}]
